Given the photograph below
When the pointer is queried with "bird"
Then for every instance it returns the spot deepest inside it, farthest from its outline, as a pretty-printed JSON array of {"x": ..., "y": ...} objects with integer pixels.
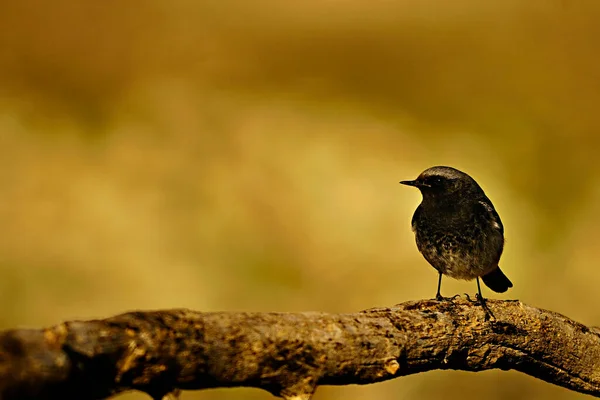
[{"x": 458, "y": 230}]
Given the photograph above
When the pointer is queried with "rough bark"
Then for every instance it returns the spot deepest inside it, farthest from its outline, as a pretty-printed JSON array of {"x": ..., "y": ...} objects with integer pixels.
[{"x": 289, "y": 354}]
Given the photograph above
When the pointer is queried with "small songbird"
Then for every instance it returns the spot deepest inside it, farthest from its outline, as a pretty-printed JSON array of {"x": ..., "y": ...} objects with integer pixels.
[{"x": 457, "y": 229}]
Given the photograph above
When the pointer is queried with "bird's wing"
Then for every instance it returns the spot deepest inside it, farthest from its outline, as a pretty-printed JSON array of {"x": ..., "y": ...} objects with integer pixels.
[{"x": 488, "y": 208}]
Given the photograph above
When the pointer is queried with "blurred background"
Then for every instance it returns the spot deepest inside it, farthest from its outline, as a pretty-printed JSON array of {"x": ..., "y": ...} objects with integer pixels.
[{"x": 245, "y": 155}]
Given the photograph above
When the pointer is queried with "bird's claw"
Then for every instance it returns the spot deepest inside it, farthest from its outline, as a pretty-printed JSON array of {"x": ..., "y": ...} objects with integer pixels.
[
  {"x": 439, "y": 297},
  {"x": 489, "y": 316}
]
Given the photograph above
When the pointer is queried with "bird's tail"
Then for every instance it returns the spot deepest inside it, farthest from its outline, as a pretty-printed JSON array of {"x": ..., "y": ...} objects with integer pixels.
[{"x": 497, "y": 281}]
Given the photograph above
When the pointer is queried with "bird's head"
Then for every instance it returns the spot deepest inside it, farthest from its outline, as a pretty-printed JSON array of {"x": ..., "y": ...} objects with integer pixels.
[{"x": 436, "y": 182}]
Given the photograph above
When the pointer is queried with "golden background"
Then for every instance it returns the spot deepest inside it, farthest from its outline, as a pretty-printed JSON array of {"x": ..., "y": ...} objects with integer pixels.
[{"x": 245, "y": 155}]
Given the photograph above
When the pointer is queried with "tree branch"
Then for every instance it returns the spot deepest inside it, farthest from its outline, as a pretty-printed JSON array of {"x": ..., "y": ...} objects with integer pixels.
[{"x": 289, "y": 354}]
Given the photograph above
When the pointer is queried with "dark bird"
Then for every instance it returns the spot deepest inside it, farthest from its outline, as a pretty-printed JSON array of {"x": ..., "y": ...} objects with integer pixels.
[{"x": 457, "y": 229}]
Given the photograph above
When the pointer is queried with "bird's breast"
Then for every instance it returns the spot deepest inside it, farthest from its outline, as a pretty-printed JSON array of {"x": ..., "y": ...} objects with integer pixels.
[{"x": 456, "y": 245}]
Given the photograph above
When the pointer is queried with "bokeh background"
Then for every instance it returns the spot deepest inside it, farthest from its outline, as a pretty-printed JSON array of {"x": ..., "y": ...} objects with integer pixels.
[{"x": 245, "y": 155}]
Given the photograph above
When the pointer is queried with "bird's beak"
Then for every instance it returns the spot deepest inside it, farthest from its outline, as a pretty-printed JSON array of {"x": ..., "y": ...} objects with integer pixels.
[{"x": 410, "y": 183}]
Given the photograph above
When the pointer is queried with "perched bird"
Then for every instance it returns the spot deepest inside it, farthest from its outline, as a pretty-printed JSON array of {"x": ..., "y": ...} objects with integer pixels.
[{"x": 457, "y": 229}]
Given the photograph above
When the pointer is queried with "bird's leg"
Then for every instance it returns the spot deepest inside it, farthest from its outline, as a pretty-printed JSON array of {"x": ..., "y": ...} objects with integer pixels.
[
  {"x": 488, "y": 312},
  {"x": 438, "y": 295}
]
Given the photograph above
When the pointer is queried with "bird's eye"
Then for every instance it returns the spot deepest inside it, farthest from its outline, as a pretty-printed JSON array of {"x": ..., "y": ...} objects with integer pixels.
[{"x": 437, "y": 180}]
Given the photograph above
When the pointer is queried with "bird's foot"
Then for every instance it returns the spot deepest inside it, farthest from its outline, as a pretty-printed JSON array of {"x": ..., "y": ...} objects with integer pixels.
[
  {"x": 470, "y": 299},
  {"x": 439, "y": 297},
  {"x": 489, "y": 316}
]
